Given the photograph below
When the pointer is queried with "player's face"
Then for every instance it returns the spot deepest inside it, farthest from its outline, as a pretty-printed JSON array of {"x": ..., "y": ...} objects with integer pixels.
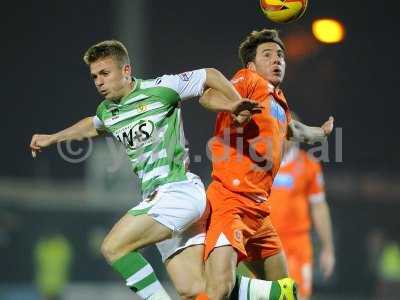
[
  {"x": 270, "y": 62},
  {"x": 112, "y": 81}
]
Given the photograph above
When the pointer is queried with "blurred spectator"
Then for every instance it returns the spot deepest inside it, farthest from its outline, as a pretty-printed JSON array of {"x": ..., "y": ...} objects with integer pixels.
[
  {"x": 389, "y": 271},
  {"x": 52, "y": 256}
]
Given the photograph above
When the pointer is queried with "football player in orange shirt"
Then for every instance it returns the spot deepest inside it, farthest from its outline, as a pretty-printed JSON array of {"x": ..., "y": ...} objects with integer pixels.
[
  {"x": 245, "y": 161},
  {"x": 297, "y": 200}
]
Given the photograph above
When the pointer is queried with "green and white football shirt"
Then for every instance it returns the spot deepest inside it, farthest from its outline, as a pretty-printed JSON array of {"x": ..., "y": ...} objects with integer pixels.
[{"x": 148, "y": 123}]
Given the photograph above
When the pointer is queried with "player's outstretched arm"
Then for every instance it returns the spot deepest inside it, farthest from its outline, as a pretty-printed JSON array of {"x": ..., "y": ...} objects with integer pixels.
[
  {"x": 300, "y": 132},
  {"x": 241, "y": 109},
  {"x": 83, "y": 129},
  {"x": 216, "y": 101},
  {"x": 216, "y": 80}
]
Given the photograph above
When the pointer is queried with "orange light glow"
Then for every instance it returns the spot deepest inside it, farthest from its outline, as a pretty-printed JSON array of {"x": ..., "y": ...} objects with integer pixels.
[{"x": 328, "y": 31}]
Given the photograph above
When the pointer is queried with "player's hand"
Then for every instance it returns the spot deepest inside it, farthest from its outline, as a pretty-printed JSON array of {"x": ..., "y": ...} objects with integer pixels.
[
  {"x": 327, "y": 127},
  {"x": 243, "y": 110},
  {"x": 246, "y": 105},
  {"x": 40, "y": 141},
  {"x": 327, "y": 262},
  {"x": 242, "y": 118}
]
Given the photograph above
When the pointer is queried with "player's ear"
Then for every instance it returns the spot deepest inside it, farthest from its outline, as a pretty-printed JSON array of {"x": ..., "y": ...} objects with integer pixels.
[
  {"x": 127, "y": 69},
  {"x": 251, "y": 66}
]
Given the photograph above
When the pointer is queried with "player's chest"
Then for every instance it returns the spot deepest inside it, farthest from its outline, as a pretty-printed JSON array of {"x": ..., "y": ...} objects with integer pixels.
[
  {"x": 272, "y": 116},
  {"x": 140, "y": 124},
  {"x": 133, "y": 109}
]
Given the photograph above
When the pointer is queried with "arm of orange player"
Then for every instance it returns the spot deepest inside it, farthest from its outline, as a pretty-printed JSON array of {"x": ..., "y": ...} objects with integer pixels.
[
  {"x": 321, "y": 217},
  {"x": 300, "y": 132},
  {"x": 322, "y": 222}
]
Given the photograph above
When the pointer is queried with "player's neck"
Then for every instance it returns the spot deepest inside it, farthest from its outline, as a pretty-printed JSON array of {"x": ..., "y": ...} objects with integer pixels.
[{"x": 127, "y": 90}]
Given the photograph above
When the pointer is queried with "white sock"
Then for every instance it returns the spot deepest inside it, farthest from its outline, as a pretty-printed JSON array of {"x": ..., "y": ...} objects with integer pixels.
[
  {"x": 159, "y": 295},
  {"x": 254, "y": 289}
]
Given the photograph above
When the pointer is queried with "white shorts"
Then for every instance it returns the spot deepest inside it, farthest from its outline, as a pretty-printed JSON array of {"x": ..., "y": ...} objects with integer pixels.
[{"x": 182, "y": 207}]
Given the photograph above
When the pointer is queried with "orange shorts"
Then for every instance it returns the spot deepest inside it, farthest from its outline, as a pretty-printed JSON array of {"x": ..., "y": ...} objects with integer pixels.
[
  {"x": 241, "y": 222},
  {"x": 299, "y": 254}
]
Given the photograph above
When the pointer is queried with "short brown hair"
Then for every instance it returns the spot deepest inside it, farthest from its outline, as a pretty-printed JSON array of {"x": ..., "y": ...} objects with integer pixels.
[
  {"x": 112, "y": 48},
  {"x": 248, "y": 48}
]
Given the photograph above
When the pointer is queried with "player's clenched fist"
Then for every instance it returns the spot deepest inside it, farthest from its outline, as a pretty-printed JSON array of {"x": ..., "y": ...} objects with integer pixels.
[{"x": 40, "y": 141}]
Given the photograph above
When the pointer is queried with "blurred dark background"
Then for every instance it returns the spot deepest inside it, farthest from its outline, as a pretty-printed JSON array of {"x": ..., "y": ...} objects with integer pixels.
[{"x": 46, "y": 87}]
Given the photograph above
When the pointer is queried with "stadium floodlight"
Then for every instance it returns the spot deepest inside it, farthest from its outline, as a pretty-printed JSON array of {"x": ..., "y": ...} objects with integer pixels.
[{"x": 328, "y": 31}]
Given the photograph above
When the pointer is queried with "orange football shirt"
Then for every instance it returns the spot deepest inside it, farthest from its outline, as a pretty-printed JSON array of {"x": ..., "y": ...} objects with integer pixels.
[
  {"x": 247, "y": 160},
  {"x": 298, "y": 184}
]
